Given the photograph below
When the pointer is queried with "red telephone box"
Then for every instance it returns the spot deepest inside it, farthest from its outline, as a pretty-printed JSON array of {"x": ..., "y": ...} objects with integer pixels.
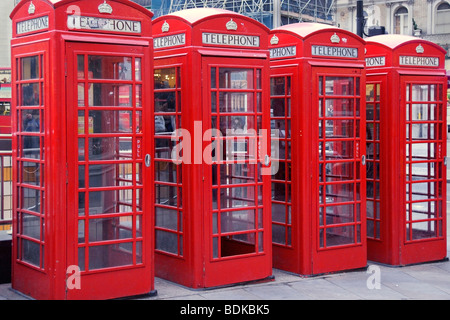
[
  {"x": 81, "y": 87},
  {"x": 317, "y": 113},
  {"x": 406, "y": 141},
  {"x": 212, "y": 203}
]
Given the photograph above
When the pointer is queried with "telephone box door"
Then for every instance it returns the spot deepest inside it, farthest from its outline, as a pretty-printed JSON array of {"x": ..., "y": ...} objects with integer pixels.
[
  {"x": 285, "y": 220},
  {"x": 107, "y": 218},
  {"x": 425, "y": 184},
  {"x": 236, "y": 192},
  {"x": 339, "y": 223}
]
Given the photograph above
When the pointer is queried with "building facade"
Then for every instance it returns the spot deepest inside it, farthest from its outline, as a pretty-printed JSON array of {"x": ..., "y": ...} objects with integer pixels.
[
  {"x": 6, "y": 6},
  {"x": 427, "y": 19},
  {"x": 272, "y": 13}
]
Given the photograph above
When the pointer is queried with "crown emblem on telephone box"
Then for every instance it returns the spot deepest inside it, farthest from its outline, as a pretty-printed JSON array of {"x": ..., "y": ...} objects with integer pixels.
[
  {"x": 335, "y": 38},
  {"x": 231, "y": 25},
  {"x": 31, "y": 8},
  {"x": 420, "y": 49},
  {"x": 105, "y": 8},
  {"x": 165, "y": 27},
  {"x": 274, "y": 40}
]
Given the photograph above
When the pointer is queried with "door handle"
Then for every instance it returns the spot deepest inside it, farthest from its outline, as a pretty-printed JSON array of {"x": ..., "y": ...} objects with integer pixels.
[
  {"x": 266, "y": 160},
  {"x": 148, "y": 160},
  {"x": 363, "y": 160}
]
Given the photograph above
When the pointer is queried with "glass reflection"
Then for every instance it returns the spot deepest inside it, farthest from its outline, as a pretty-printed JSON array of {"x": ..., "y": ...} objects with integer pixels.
[{"x": 110, "y": 67}]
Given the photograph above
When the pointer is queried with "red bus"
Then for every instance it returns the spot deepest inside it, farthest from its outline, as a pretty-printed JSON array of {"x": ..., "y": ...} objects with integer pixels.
[{"x": 5, "y": 101}]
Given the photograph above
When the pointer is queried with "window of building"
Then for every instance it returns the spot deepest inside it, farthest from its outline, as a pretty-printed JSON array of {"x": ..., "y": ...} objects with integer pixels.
[
  {"x": 443, "y": 18},
  {"x": 401, "y": 21}
]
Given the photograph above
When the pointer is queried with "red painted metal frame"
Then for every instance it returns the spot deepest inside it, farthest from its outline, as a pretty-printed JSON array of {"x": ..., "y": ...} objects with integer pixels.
[
  {"x": 390, "y": 239},
  {"x": 305, "y": 253},
  {"x": 198, "y": 265},
  {"x": 57, "y": 216}
]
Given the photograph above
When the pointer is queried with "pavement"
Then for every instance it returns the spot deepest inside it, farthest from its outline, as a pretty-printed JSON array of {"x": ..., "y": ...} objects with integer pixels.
[{"x": 427, "y": 281}]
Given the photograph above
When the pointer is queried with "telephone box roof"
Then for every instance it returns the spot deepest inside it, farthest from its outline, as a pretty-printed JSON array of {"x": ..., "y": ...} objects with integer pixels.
[
  {"x": 395, "y": 41},
  {"x": 58, "y": 3},
  {"x": 307, "y": 29},
  {"x": 197, "y": 15}
]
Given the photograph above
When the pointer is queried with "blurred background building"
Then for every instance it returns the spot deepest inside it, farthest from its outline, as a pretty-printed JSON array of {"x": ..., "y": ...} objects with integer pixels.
[
  {"x": 272, "y": 13},
  {"x": 427, "y": 19}
]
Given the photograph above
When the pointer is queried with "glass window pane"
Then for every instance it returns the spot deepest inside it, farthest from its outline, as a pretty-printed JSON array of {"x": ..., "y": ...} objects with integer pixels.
[
  {"x": 339, "y": 107},
  {"x": 109, "y": 175},
  {"x": 279, "y": 212},
  {"x": 111, "y": 148},
  {"x": 106, "y": 256},
  {"x": 277, "y": 86},
  {"x": 230, "y": 125},
  {"x": 113, "y": 228},
  {"x": 31, "y": 200},
  {"x": 137, "y": 69},
  {"x": 340, "y": 86},
  {"x": 30, "y": 68},
  {"x": 81, "y": 231},
  {"x": 423, "y": 131},
  {"x": 279, "y": 191},
  {"x": 339, "y": 193},
  {"x": 165, "y": 78},
  {"x": 30, "y": 252},
  {"x": 138, "y": 88},
  {"x": 230, "y": 78},
  {"x": 31, "y": 173},
  {"x": 277, "y": 107},
  {"x": 237, "y": 197},
  {"x": 31, "y": 226},
  {"x": 423, "y": 111},
  {"x": 30, "y": 94},
  {"x": 339, "y": 171},
  {"x": 237, "y": 244},
  {"x": 163, "y": 148},
  {"x": 165, "y": 102},
  {"x": 110, "y": 94},
  {"x": 423, "y": 151},
  {"x": 236, "y": 102},
  {"x": 166, "y": 195},
  {"x": 165, "y": 125},
  {"x": 424, "y": 230},
  {"x": 337, "y": 150},
  {"x": 165, "y": 171},
  {"x": 420, "y": 92},
  {"x": 109, "y": 201},
  {"x": 339, "y": 214},
  {"x": 236, "y": 173},
  {"x": 30, "y": 120},
  {"x": 166, "y": 218},
  {"x": 166, "y": 241},
  {"x": 80, "y": 65},
  {"x": 241, "y": 220},
  {"x": 110, "y": 67},
  {"x": 339, "y": 128},
  {"x": 370, "y": 92},
  {"x": 110, "y": 121},
  {"x": 213, "y": 78},
  {"x": 340, "y": 236}
]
